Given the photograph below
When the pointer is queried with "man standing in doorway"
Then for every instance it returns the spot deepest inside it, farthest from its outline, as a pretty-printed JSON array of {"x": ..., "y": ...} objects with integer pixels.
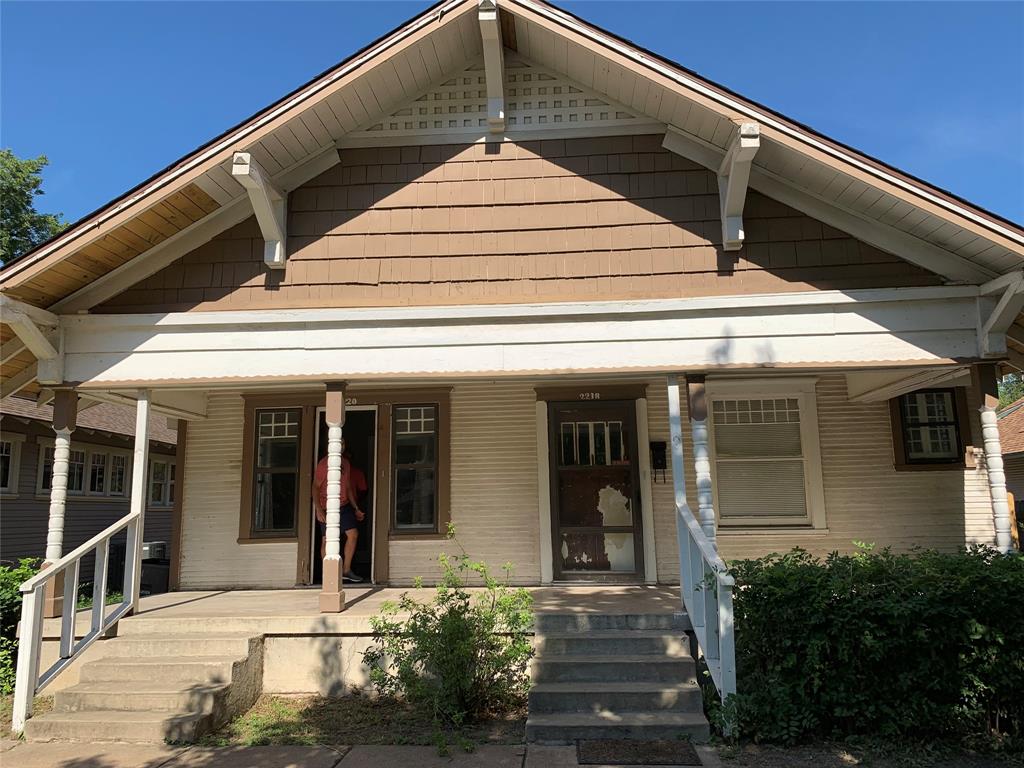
[{"x": 351, "y": 515}]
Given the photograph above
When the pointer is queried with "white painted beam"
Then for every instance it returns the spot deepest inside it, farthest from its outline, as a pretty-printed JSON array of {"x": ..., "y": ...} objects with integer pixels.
[
  {"x": 993, "y": 327},
  {"x": 187, "y": 405},
  {"x": 269, "y": 203},
  {"x": 733, "y": 177},
  {"x": 494, "y": 64},
  {"x": 889, "y": 239},
  {"x": 900, "y": 384},
  {"x": 33, "y": 338},
  {"x": 9, "y": 304}
]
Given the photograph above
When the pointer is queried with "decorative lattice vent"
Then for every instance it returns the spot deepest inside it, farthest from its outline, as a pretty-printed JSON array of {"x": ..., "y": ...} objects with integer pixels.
[{"x": 535, "y": 99}]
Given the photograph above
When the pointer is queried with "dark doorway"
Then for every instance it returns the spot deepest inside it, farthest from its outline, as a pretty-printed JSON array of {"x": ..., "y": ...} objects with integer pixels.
[
  {"x": 595, "y": 491},
  {"x": 360, "y": 445}
]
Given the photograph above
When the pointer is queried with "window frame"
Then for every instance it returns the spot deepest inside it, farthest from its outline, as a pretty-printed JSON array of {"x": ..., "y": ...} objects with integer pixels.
[
  {"x": 901, "y": 463},
  {"x": 89, "y": 449},
  {"x": 276, "y": 533},
  {"x": 165, "y": 502},
  {"x": 394, "y": 468},
  {"x": 12, "y": 488},
  {"x": 803, "y": 390}
]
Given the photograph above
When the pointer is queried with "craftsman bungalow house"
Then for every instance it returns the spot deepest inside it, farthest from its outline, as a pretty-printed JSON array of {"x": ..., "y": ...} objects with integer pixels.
[{"x": 551, "y": 288}]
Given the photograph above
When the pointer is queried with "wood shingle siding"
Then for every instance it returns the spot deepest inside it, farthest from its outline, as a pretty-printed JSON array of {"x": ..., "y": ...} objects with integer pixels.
[{"x": 553, "y": 220}]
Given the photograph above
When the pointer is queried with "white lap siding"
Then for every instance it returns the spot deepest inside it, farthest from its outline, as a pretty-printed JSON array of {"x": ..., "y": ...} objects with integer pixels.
[
  {"x": 866, "y": 499},
  {"x": 211, "y": 556},
  {"x": 494, "y": 485}
]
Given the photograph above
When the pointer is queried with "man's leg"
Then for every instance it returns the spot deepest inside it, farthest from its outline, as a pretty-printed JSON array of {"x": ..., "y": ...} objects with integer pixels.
[{"x": 350, "y": 547}]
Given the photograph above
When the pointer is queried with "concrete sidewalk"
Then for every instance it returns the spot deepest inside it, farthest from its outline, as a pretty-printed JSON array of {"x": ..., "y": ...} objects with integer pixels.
[{"x": 40, "y": 755}]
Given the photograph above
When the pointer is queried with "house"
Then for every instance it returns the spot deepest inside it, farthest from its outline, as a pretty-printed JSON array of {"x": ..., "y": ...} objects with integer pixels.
[
  {"x": 99, "y": 476},
  {"x": 611, "y": 320}
]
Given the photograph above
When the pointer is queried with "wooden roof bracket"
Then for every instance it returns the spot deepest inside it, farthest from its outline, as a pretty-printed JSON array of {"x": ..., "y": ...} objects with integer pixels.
[
  {"x": 269, "y": 203},
  {"x": 733, "y": 176},
  {"x": 28, "y": 323},
  {"x": 494, "y": 64},
  {"x": 994, "y": 325}
]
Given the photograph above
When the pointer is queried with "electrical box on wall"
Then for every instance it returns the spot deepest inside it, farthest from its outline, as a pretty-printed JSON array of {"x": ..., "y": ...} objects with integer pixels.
[{"x": 659, "y": 460}]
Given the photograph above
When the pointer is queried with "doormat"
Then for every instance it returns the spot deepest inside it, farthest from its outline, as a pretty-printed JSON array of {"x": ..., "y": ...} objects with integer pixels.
[{"x": 632, "y": 752}]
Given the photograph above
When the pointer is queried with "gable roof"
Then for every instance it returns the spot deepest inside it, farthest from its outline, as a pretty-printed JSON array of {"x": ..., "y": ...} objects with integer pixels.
[
  {"x": 298, "y": 136},
  {"x": 104, "y": 417},
  {"x": 1011, "y": 427}
]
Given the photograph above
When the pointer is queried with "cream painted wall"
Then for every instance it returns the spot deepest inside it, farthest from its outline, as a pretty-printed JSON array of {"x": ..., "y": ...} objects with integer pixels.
[{"x": 494, "y": 495}]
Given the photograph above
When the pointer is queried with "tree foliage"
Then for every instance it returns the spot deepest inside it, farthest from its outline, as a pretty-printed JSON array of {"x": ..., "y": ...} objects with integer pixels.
[
  {"x": 22, "y": 227},
  {"x": 1011, "y": 389}
]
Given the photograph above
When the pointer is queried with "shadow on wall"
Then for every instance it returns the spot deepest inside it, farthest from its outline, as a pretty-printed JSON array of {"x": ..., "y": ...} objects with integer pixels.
[{"x": 340, "y": 655}]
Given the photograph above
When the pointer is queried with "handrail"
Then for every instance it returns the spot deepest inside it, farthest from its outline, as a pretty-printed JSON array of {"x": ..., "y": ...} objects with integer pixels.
[
  {"x": 28, "y": 680},
  {"x": 706, "y": 591}
]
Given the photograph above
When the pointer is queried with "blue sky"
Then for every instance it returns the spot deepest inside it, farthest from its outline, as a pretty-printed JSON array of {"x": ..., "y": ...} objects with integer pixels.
[{"x": 113, "y": 92}]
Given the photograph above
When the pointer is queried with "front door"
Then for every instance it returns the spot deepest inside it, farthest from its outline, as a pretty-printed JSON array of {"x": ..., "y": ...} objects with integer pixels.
[{"x": 595, "y": 491}]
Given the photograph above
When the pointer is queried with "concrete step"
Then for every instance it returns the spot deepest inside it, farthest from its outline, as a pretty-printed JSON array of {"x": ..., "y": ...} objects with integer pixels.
[
  {"x": 612, "y": 642},
  {"x": 613, "y": 668},
  {"x": 112, "y": 725},
  {"x": 178, "y": 646},
  {"x": 615, "y": 697},
  {"x": 560, "y": 728},
  {"x": 154, "y": 696},
  {"x": 546, "y": 623},
  {"x": 194, "y": 669}
]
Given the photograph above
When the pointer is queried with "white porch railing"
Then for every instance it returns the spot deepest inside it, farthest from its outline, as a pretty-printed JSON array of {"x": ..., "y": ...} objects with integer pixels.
[
  {"x": 29, "y": 681},
  {"x": 706, "y": 588}
]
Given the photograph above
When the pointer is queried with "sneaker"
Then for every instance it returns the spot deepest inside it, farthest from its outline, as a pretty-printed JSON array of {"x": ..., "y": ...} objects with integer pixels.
[{"x": 352, "y": 577}]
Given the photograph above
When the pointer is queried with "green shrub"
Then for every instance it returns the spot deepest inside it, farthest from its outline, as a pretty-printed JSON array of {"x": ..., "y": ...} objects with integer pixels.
[
  {"x": 463, "y": 655},
  {"x": 916, "y": 645},
  {"x": 11, "y": 577}
]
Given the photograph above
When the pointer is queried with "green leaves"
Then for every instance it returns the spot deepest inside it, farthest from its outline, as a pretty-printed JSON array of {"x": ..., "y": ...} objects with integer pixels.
[
  {"x": 912, "y": 645},
  {"x": 463, "y": 654},
  {"x": 22, "y": 227}
]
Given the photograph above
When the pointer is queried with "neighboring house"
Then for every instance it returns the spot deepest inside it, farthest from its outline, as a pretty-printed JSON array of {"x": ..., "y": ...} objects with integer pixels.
[
  {"x": 1011, "y": 437},
  {"x": 99, "y": 477},
  {"x": 601, "y": 314}
]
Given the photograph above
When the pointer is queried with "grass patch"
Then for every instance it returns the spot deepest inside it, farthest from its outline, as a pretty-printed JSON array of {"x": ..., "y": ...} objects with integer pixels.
[
  {"x": 355, "y": 719},
  {"x": 40, "y": 706}
]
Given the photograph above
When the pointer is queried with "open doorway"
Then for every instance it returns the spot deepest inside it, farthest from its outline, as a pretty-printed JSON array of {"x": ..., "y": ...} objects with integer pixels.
[{"x": 360, "y": 432}]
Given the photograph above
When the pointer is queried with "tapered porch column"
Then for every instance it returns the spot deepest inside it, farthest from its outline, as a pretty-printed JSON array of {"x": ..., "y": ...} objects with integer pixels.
[
  {"x": 985, "y": 384},
  {"x": 65, "y": 413},
  {"x": 332, "y": 596},
  {"x": 140, "y": 466},
  {"x": 698, "y": 407}
]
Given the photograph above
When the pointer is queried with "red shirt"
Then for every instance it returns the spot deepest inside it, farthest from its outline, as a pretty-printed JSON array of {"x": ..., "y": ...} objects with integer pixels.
[{"x": 321, "y": 481}]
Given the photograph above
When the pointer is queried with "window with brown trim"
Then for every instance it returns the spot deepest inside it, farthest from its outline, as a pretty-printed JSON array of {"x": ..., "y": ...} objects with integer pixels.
[
  {"x": 415, "y": 468},
  {"x": 275, "y": 493},
  {"x": 928, "y": 429}
]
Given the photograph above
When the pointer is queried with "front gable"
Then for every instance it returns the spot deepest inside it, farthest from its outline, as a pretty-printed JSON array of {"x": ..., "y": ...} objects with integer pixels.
[{"x": 599, "y": 218}]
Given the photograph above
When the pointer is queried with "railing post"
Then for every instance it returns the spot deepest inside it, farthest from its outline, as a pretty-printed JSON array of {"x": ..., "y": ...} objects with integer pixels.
[
  {"x": 726, "y": 637},
  {"x": 67, "y": 620},
  {"x": 140, "y": 466},
  {"x": 27, "y": 673},
  {"x": 99, "y": 584}
]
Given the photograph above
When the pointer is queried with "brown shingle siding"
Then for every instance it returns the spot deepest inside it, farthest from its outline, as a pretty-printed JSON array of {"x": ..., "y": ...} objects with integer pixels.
[{"x": 596, "y": 218}]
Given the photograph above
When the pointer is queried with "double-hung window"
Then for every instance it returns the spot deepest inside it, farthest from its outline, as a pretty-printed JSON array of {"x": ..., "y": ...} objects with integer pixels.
[
  {"x": 10, "y": 455},
  {"x": 766, "y": 459},
  {"x": 415, "y": 430},
  {"x": 928, "y": 429},
  {"x": 275, "y": 494},
  {"x": 93, "y": 470}
]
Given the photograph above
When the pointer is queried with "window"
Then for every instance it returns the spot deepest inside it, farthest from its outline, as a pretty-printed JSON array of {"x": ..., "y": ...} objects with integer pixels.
[
  {"x": 93, "y": 470},
  {"x": 98, "y": 473},
  {"x": 10, "y": 453},
  {"x": 764, "y": 438},
  {"x": 159, "y": 483},
  {"x": 592, "y": 443},
  {"x": 276, "y": 472},
  {"x": 415, "y": 468},
  {"x": 927, "y": 429}
]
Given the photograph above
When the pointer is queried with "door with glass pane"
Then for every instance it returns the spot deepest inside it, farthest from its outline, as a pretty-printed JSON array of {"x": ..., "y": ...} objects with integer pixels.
[{"x": 595, "y": 498}]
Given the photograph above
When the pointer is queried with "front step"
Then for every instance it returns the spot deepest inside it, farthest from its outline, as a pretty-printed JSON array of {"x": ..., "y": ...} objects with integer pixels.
[
  {"x": 649, "y": 668},
  {"x": 615, "y": 697},
  {"x": 561, "y": 727},
  {"x": 156, "y": 688},
  {"x": 114, "y": 725},
  {"x": 619, "y": 676}
]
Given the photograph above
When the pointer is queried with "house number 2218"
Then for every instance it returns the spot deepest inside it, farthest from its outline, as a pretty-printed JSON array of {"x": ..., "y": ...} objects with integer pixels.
[{"x": 590, "y": 395}]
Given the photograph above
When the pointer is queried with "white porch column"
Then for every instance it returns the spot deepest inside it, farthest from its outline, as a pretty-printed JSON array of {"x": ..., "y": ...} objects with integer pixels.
[
  {"x": 984, "y": 379},
  {"x": 332, "y": 596},
  {"x": 698, "y": 408},
  {"x": 675, "y": 426},
  {"x": 140, "y": 470},
  {"x": 65, "y": 413}
]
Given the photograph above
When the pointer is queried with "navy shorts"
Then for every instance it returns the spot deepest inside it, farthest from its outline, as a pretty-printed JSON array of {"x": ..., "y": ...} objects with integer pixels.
[{"x": 348, "y": 520}]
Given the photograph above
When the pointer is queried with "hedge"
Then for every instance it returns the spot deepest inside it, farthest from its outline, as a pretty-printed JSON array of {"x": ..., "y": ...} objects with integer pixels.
[{"x": 923, "y": 644}]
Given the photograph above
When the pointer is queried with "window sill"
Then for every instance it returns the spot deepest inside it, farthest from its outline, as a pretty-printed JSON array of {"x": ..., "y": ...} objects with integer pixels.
[
  {"x": 86, "y": 497},
  {"x": 270, "y": 540},
  {"x": 959, "y": 467},
  {"x": 772, "y": 531},
  {"x": 425, "y": 536},
  {"x": 8, "y": 495}
]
